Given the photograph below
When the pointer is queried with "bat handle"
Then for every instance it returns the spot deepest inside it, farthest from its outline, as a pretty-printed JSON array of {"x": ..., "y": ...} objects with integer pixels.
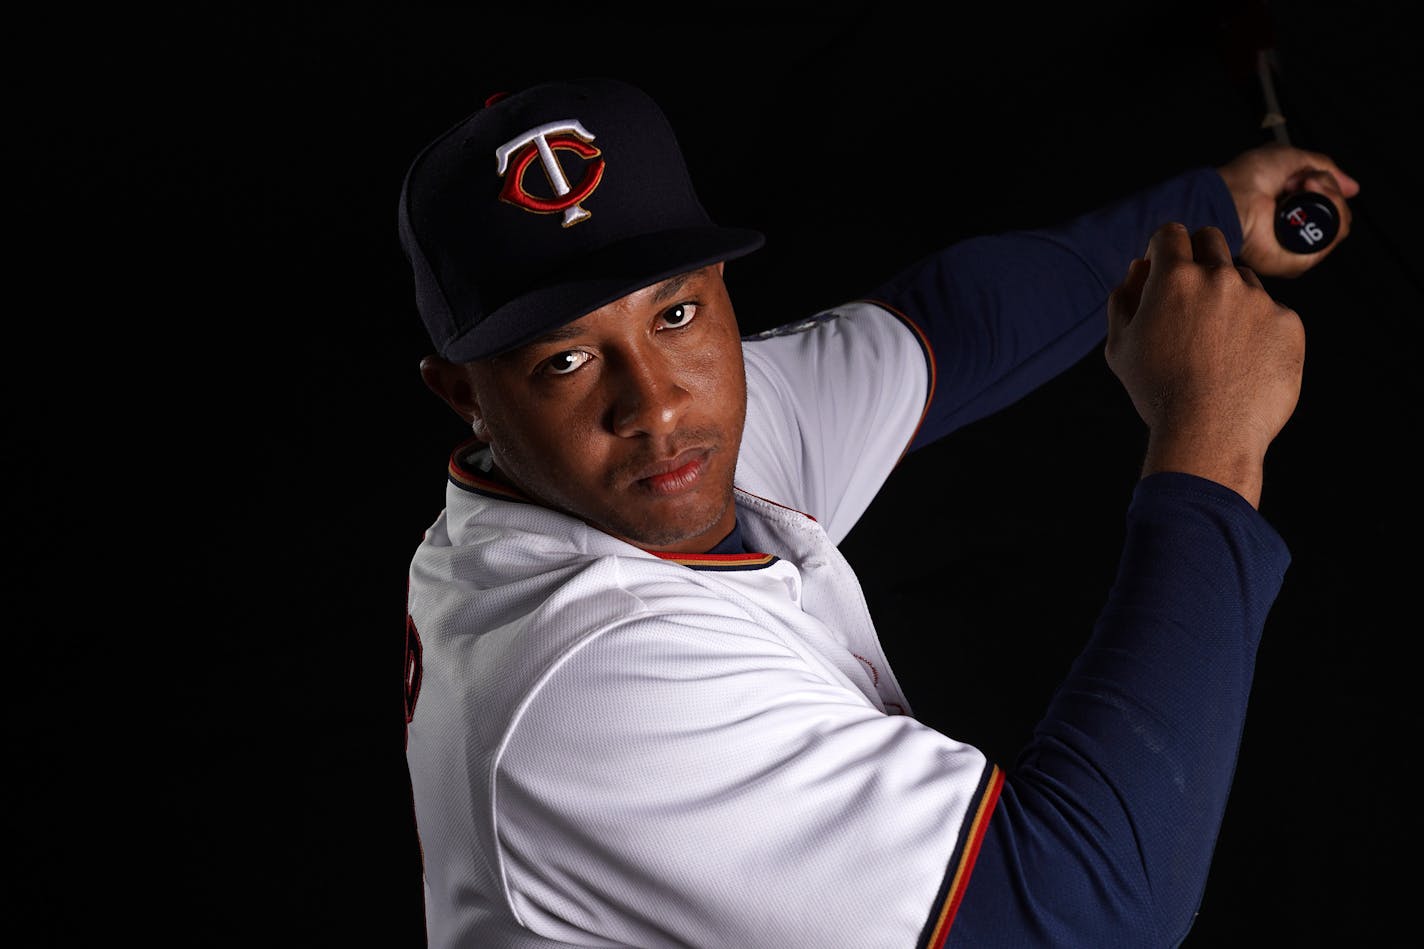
[{"x": 1305, "y": 221}]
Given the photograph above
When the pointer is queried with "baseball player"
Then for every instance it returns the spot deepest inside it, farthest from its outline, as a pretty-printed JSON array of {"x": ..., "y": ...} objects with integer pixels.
[{"x": 646, "y": 702}]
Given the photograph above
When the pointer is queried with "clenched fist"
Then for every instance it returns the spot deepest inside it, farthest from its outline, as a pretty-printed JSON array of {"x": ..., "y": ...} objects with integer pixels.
[{"x": 1212, "y": 364}]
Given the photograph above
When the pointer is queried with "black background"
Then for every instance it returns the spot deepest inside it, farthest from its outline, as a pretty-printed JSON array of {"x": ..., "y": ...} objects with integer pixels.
[{"x": 222, "y": 456}]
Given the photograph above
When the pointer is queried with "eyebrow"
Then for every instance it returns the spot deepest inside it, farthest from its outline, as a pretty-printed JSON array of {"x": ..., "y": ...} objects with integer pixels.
[
  {"x": 673, "y": 286},
  {"x": 567, "y": 331}
]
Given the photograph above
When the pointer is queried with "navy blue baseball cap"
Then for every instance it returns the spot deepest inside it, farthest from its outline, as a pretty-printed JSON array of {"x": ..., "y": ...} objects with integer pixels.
[{"x": 544, "y": 205}]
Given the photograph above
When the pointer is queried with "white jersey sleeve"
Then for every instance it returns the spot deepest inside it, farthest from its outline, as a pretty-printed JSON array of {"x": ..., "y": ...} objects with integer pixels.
[
  {"x": 833, "y": 403},
  {"x": 686, "y": 780}
]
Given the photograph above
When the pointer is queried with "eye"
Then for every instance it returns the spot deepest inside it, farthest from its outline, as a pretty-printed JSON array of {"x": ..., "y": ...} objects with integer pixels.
[
  {"x": 676, "y": 317},
  {"x": 566, "y": 362}
]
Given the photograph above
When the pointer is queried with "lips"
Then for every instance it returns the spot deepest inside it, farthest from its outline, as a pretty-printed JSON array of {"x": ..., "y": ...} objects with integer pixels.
[{"x": 673, "y": 474}]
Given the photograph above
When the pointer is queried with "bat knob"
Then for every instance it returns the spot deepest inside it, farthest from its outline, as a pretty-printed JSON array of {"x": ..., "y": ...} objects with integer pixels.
[{"x": 1306, "y": 222}]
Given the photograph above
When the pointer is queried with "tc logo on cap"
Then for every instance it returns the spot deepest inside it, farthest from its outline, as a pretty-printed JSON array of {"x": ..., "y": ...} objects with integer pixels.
[{"x": 516, "y": 155}]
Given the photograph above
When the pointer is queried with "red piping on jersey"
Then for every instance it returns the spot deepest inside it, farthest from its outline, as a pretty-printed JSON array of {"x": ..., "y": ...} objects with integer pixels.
[
  {"x": 960, "y": 882},
  {"x": 714, "y": 560},
  {"x": 874, "y": 672},
  {"x": 466, "y": 478},
  {"x": 928, "y": 352}
]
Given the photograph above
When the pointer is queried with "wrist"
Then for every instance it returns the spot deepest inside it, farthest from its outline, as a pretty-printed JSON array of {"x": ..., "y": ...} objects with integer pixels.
[
  {"x": 1238, "y": 186},
  {"x": 1236, "y": 466}
]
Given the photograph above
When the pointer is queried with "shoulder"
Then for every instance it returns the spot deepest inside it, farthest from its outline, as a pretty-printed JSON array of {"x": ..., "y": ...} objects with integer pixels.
[{"x": 849, "y": 323}]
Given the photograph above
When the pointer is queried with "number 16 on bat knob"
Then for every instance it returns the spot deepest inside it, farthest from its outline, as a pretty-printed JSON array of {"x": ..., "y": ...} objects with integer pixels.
[{"x": 1306, "y": 222}]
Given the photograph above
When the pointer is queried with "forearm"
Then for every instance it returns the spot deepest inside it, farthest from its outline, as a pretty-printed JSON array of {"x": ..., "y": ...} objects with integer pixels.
[
  {"x": 1004, "y": 314},
  {"x": 1105, "y": 829}
]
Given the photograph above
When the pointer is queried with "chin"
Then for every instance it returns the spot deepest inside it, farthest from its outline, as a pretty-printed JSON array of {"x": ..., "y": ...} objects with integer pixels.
[{"x": 688, "y": 526}]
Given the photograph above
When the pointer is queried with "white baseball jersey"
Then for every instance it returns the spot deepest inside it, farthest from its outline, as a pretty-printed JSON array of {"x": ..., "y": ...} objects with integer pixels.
[{"x": 613, "y": 747}]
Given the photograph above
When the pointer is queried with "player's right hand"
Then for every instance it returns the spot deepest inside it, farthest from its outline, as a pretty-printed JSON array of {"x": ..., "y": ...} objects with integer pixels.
[{"x": 1212, "y": 364}]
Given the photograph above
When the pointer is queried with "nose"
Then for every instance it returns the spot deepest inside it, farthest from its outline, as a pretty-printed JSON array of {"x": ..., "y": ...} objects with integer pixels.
[{"x": 648, "y": 398}]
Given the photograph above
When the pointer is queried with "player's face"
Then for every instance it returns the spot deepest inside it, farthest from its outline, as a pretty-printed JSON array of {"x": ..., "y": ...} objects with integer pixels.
[{"x": 629, "y": 418}]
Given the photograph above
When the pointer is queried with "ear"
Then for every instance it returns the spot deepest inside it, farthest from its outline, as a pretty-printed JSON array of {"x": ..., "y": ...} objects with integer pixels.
[{"x": 452, "y": 383}]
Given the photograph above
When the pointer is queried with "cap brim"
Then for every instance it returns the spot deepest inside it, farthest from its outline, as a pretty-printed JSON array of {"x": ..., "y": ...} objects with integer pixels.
[{"x": 599, "y": 278}]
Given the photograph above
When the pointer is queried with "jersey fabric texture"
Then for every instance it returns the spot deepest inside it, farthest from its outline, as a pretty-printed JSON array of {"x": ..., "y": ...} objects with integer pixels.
[{"x": 613, "y": 747}]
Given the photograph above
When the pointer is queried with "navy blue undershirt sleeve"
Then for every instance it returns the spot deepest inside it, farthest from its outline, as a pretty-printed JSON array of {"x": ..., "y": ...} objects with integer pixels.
[
  {"x": 1105, "y": 827},
  {"x": 1005, "y": 313}
]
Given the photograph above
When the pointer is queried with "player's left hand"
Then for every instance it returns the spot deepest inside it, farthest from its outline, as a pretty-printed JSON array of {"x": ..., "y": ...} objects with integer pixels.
[{"x": 1258, "y": 178}]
